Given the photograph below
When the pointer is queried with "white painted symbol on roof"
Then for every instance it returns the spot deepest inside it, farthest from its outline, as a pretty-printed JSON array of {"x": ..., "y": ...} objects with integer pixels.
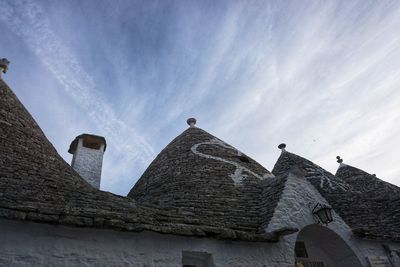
[
  {"x": 324, "y": 180},
  {"x": 240, "y": 173}
]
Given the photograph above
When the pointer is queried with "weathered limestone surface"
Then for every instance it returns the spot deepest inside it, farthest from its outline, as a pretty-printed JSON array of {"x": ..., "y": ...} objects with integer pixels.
[{"x": 32, "y": 244}]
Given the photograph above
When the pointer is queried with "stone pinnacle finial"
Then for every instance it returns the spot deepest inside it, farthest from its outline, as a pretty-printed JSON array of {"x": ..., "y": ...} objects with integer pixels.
[
  {"x": 191, "y": 122},
  {"x": 282, "y": 147},
  {"x": 4, "y": 65},
  {"x": 339, "y": 160}
]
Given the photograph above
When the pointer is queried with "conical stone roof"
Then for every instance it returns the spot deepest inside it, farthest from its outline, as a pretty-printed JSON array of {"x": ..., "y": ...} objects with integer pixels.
[
  {"x": 207, "y": 179},
  {"x": 364, "y": 182},
  {"x": 323, "y": 180},
  {"x": 36, "y": 184},
  {"x": 375, "y": 216},
  {"x": 380, "y": 199}
]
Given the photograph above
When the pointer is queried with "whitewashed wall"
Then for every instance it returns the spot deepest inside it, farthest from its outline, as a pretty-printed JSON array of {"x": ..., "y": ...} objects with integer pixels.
[
  {"x": 32, "y": 244},
  {"x": 295, "y": 210}
]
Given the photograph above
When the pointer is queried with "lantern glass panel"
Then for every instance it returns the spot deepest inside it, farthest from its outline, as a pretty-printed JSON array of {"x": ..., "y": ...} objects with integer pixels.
[
  {"x": 329, "y": 214},
  {"x": 322, "y": 215}
]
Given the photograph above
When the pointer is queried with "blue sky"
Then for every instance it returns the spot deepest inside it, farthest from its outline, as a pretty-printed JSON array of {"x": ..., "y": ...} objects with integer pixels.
[{"x": 321, "y": 76}]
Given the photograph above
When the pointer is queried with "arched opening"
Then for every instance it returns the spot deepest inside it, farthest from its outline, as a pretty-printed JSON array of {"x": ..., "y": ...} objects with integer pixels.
[{"x": 319, "y": 246}]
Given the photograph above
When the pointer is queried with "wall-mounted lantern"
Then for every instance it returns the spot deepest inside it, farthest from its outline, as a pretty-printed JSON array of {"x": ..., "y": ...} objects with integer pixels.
[{"x": 323, "y": 213}]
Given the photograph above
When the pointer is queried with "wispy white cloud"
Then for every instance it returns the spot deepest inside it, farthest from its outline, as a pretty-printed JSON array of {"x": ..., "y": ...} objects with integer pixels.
[
  {"x": 333, "y": 90},
  {"x": 28, "y": 20},
  {"x": 321, "y": 76}
]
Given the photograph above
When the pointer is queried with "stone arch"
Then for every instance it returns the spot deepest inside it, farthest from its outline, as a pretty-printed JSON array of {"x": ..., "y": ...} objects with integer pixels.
[{"x": 320, "y": 246}]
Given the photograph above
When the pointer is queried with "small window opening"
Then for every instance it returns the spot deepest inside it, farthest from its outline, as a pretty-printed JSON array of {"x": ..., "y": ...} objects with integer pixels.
[
  {"x": 300, "y": 250},
  {"x": 196, "y": 259}
]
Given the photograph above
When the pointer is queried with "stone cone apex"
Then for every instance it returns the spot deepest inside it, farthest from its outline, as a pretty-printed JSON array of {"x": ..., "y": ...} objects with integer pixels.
[
  {"x": 191, "y": 122},
  {"x": 87, "y": 160},
  {"x": 4, "y": 65},
  {"x": 282, "y": 147},
  {"x": 340, "y": 161}
]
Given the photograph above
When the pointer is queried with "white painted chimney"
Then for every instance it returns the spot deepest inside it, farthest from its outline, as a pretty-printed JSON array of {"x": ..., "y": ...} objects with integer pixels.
[{"x": 87, "y": 160}]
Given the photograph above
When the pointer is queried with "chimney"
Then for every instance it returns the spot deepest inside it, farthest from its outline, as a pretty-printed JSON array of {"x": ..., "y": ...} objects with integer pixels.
[{"x": 87, "y": 160}]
